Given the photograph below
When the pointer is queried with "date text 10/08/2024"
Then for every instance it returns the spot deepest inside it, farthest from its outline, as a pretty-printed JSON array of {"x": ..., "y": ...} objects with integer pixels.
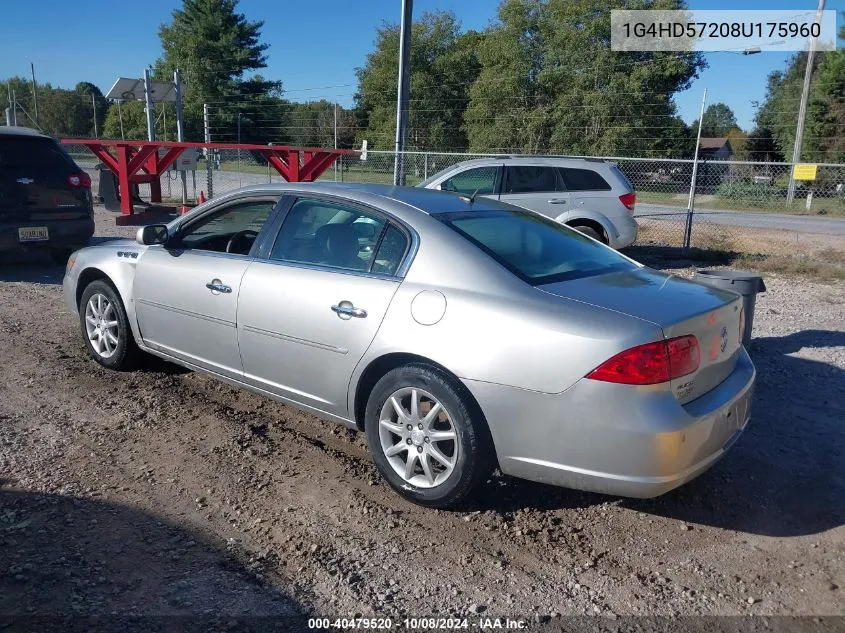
[{"x": 481, "y": 623}]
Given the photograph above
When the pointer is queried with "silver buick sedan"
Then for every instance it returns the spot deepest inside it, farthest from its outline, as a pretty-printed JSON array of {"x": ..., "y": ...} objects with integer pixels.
[{"x": 459, "y": 334}]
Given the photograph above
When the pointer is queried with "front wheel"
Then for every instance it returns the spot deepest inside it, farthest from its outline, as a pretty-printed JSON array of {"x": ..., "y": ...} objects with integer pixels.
[
  {"x": 426, "y": 436},
  {"x": 105, "y": 327}
]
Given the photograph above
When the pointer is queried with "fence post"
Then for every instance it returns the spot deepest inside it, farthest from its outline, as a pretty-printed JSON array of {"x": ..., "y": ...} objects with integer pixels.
[
  {"x": 425, "y": 166},
  {"x": 206, "y": 121},
  {"x": 691, "y": 204}
]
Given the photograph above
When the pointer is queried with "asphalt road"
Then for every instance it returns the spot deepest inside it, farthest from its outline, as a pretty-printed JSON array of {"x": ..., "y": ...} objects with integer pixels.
[{"x": 775, "y": 221}]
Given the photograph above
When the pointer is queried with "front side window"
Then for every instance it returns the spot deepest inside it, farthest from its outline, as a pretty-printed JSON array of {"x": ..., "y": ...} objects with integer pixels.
[
  {"x": 332, "y": 234},
  {"x": 534, "y": 248},
  {"x": 479, "y": 180},
  {"x": 232, "y": 229},
  {"x": 530, "y": 179}
]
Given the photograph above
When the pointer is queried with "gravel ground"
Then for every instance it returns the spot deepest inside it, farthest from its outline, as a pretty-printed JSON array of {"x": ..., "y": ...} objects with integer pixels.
[{"x": 164, "y": 492}]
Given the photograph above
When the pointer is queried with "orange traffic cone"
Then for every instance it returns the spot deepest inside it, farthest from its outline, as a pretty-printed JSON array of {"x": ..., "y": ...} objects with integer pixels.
[
  {"x": 184, "y": 210},
  {"x": 201, "y": 199}
]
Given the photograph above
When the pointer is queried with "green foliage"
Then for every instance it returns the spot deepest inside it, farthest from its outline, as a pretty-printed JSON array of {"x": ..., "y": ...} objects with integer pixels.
[
  {"x": 760, "y": 195},
  {"x": 214, "y": 46},
  {"x": 825, "y": 120},
  {"x": 67, "y": 113},
  {"x": 443, "y": 65},
  {"x": 718, "y": 121},
  {"x": 550, "y": 83}
]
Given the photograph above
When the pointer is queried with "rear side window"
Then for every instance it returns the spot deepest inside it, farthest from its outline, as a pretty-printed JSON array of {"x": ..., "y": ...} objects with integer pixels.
[
  {"x": 534, "y": 248},
  {"x": 390, "y": 252},
  {"x": 530, "y": 179},
  {"x": 583, "y": 180},
  {"x": 33, "y": 156}
]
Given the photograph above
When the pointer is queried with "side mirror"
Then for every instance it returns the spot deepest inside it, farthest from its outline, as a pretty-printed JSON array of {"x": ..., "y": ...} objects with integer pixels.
[{"x": 152, "y": 234}]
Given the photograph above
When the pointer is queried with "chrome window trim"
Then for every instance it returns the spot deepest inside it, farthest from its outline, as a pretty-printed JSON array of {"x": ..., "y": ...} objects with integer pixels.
[{"x": 329, "y": 269}]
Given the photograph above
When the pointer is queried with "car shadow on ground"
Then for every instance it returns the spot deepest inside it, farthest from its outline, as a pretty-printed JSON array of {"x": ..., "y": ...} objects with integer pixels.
[
  {"x": 36, "y": 266},
  {"x": 783, "y": 477},
  {"x": 81, "y": 564}
]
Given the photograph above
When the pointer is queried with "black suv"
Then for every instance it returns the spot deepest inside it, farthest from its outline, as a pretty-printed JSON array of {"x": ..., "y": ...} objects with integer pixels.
[{"x": 45, "y": 198}]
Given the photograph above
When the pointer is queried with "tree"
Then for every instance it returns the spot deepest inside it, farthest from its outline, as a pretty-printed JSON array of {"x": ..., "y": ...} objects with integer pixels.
[
  {"x": 549, "y": 82},
  {"x": 443, "y": 66},
  {"x": 214, "y": 47},
  {"x": 825, "y": 119},
  {"x": 60, "y": 112},
  {"x": 718, "y": 121}
]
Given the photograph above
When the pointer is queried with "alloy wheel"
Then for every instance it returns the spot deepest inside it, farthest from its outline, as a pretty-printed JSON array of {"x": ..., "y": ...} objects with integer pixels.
[
  {"x": 101, "y": 325},
  {"x": 418, "y": 437}
]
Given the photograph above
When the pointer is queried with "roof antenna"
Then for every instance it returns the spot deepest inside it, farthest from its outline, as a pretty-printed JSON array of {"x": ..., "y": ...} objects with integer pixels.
[{"x": 471, "y": 198}]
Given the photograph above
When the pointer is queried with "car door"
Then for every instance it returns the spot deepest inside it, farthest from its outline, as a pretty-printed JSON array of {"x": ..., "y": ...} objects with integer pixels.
[
  {"x": 308, "y": 312},
  {"x": 538, "y": 188},
  {"x": 186, "y": 291}
]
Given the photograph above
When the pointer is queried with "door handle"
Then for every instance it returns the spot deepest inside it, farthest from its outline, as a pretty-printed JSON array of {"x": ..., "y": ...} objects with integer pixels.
[
  {"x": 345, "y": 310},
  {"x": 216, "y": 286},
  {"x": 557, "y": 201}
]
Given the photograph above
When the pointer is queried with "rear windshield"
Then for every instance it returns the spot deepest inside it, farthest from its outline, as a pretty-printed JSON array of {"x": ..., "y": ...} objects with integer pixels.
[
  {"x": 534, "y": 248},
  {"x": 33, "y": 155}
]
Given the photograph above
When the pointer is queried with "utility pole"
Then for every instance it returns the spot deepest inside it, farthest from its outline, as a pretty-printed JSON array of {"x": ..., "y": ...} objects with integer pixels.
[
  {"x": 10, "y": 111},
  {"x": 206, "y": 121},
  {"x": 148, "y": 100},
  {"x": 120, "y": 118},
  {"x": 402, "y": 94},
  {"x": 335, "y": 138},
  {"x": 94, "y": 108},
  {"x": 35, "y": 96},
  {"x": 180, "y": 128},
  {"x": 240, "y": 183},
  {"x": 802, "y": 109},
  {"x": 691, "y": 203}
]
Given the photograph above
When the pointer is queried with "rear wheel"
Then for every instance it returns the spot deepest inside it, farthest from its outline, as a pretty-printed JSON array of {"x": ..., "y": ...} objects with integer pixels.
[
  {"x": 426, "y": 436},
  {"x": 590, "y": 231},
  {"x": 105, "y": 327}
]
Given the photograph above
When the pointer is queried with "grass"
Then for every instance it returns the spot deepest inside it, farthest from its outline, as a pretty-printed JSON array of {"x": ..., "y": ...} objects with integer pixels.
[{"x": 820, "y": 206}]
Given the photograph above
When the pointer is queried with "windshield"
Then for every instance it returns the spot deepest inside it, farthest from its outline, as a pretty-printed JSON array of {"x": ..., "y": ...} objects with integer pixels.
[{"x": 535, "y": 249}]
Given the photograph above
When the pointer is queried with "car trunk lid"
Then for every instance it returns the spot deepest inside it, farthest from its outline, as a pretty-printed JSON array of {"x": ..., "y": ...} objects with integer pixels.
[{"x": 680, "y": 307}]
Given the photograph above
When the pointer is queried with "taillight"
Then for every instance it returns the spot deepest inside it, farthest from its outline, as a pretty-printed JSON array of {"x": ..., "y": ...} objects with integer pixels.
[
  {"x": 629, "y": 200},
  {"x": 651, "y": 363},
  {"x": 80, "y": 179}
]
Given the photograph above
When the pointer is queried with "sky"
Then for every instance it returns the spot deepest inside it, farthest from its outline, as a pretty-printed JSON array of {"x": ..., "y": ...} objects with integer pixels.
[{"x": 314, "y": 46}]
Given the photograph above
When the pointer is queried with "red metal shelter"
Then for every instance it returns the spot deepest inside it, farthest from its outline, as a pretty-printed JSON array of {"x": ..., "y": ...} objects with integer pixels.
[{"x": 137, "y": 162}]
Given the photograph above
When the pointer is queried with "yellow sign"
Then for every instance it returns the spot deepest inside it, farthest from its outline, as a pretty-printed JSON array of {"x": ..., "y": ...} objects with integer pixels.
[{"x": 804, "y": 171}]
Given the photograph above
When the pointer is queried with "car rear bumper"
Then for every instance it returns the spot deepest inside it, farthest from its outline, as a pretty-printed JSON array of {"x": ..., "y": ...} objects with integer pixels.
[
  {"x": 62, "y": 234},
  {"x": 615, "y": 439},
  {"x": 626, "y": 231}
]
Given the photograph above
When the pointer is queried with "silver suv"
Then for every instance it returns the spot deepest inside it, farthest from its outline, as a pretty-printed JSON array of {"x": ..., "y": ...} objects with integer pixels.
[{"x": 590, "y": 195}]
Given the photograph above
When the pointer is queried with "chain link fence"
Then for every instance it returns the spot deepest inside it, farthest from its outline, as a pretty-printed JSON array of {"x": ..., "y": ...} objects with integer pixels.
[{"x": 738, "y": 207}]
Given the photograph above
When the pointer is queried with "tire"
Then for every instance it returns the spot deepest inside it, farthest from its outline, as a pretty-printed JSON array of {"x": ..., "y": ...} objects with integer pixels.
[
  {"x": 590, "y": 232},
  {"x": 113, "y": 346},
  {"x": 470, "y": 452},
  {"x": 60, "y": 255}
]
